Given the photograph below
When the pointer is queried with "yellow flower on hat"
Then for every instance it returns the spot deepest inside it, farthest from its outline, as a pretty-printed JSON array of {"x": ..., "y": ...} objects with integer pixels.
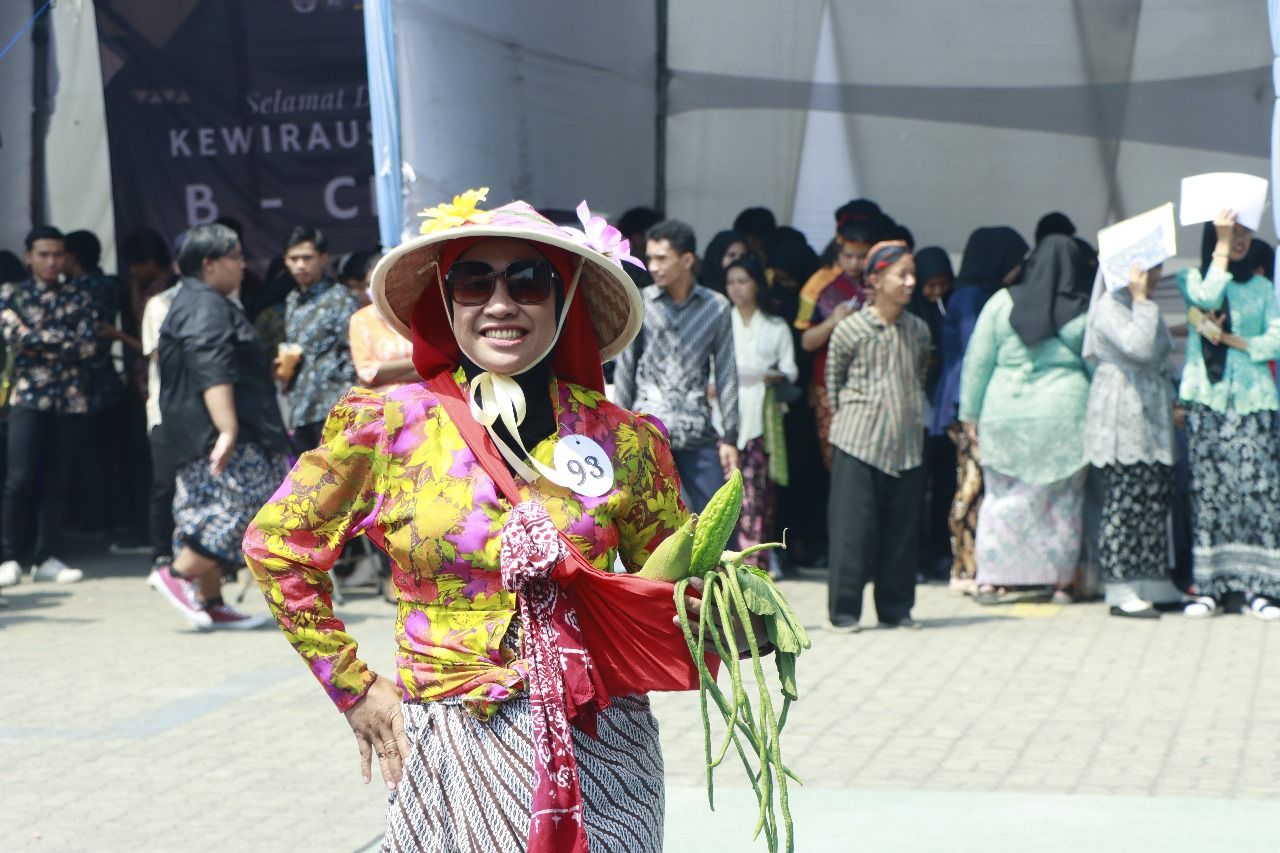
[{"x": 462, "y": 210}]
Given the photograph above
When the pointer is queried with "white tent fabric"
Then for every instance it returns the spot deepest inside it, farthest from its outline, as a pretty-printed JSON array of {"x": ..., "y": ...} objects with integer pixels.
[
  {"x": 955, "y": 115},
  {"x": 952, "y": 115},
  {"x": 78, "y": 184},
  {"x": 549, "y": 102}
]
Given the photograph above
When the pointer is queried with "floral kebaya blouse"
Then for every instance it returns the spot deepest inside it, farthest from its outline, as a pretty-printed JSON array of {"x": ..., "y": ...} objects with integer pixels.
[
  {"x": 394, "y": 468},
  {"x": 50, "y": 329}
]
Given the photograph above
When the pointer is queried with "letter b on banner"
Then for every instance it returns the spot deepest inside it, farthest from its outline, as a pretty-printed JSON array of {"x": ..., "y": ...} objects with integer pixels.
[{"x": 201, "y": 209}]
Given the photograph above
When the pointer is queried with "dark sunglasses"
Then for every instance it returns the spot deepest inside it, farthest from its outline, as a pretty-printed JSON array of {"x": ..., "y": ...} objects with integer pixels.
[{"x": 528, "y": 282}]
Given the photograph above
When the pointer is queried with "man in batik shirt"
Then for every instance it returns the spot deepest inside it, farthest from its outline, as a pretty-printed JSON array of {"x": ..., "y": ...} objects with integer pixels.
[
  {"x": 317, "y": 318},
  {"x": 687, "y": 336}
]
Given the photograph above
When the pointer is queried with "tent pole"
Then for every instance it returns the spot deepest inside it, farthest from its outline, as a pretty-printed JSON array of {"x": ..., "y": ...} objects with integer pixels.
[{"x": 663, "y": 81}]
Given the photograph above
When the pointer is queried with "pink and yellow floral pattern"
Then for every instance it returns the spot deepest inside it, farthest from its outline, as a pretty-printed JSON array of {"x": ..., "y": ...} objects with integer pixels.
[{"x": 394, "y": 468}]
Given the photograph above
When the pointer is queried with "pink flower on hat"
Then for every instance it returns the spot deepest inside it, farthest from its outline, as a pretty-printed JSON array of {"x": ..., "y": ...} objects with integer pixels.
[
  {"x": 598, "y": 235},
  {"x": 463, "y": 210}
]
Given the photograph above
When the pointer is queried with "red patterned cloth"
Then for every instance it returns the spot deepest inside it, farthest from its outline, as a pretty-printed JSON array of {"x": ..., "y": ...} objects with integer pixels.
[{"x": 560, "y": 684}]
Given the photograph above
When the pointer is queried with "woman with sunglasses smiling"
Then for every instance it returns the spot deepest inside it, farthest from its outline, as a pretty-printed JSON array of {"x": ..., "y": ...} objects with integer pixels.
[{"x": 503, "y": 487}]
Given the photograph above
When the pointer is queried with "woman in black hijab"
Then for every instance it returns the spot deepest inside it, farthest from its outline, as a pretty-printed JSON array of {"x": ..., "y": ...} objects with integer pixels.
[
  {"x": 1024, "y": 395},
  {"x": 802, "y": 502},
  {"x": 1055, "y": 290},
  {"x": 992, "y": 259},
  {"x": 724, "y": 248},
  {"x": 934, "y": 279},
  {"x": 1231, "y": 402}
]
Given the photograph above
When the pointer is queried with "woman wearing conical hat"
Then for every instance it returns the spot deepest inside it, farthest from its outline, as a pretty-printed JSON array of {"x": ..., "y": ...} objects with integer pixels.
[{"x": 502, "y": 487}]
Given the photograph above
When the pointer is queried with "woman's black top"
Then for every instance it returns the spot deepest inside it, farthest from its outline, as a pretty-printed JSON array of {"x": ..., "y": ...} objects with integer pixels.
[{"x": 207, "y": 340}]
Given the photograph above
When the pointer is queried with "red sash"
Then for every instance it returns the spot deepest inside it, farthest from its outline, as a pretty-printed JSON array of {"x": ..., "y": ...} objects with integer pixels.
[{"x": 625, "y": 620}]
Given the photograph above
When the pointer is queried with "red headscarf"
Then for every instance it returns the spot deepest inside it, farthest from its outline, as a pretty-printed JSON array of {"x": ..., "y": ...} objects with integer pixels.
[{"x": 575, "y": 356}]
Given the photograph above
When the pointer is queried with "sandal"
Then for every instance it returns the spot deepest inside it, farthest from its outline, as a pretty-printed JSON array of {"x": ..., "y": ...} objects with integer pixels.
[
  {"x": 1061, "y": 596},
  {"x": 988, "y": 595},
  {"x": 1262, "y": 608},
  {"x": 1202, "y": 608}
]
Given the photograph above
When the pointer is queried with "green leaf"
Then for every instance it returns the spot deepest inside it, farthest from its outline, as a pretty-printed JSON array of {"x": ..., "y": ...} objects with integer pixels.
[
  {"x": 787, "y": 673},
  {"x": 793, "y": 621},
  {"x": 780, "y": 634},
  {"x": 756, "y": 591}
]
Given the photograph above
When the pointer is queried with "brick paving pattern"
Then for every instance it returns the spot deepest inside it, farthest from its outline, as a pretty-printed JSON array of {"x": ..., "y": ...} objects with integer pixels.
[{"x": 122, "y": 730}]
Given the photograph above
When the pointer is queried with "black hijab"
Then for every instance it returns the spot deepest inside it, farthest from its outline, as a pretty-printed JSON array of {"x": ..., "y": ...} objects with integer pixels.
[
  {"x": 930, "y": 262},
  {"x": 1241, "y": 270},
  {"x": 989, "y": 256},
  {"x": 1055, "y": 289},
  {"x": 799, "y": 262},
  {"x": 1215, "y": 355},
  {"x": 711, "y": 273}
]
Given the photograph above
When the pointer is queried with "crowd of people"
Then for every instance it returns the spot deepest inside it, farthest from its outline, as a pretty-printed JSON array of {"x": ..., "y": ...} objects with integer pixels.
[
  {"x": 167, "y": 400},
  {"x": 1016, "y": 427},
  {"x": 451, "y": 404}
]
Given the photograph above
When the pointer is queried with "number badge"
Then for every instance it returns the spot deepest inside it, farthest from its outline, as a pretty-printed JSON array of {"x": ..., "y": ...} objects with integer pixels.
[{"x": 583, "y": 466}]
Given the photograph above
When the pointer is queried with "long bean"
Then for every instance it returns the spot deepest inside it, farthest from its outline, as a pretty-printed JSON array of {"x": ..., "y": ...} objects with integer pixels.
[{"x": 726, "y": 610}]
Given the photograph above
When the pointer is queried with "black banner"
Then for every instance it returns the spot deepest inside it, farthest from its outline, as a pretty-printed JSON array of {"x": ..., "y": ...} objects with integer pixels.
[{"x": 254, "y": 109}]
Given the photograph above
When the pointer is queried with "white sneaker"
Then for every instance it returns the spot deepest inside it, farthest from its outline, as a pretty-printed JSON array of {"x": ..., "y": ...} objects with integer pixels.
[
  {"x": 55, "y": 570},
  {"x": 364, "y": 574},
  {"x": 1262, "y": 608},
  {"x": 10, "y": 573}
]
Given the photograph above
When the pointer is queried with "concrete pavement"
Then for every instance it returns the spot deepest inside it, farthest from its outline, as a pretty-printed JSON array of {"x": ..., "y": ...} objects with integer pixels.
[{"x": 1022, "y": 727}]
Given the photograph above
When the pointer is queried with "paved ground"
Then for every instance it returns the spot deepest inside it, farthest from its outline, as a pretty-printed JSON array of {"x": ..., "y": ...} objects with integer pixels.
[{"x": 1025, "y": 727}]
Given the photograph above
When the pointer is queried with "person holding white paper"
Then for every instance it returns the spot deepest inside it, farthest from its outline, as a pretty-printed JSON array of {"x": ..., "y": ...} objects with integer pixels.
[
  {"x": 1231, "y": 402},
  {"x": 1129, "y": 436}
]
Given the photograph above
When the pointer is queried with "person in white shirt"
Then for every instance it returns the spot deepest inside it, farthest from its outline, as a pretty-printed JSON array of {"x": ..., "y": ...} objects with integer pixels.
[
  {"x": 765, "y": 357},
  {"x": 163, "y": 470}
]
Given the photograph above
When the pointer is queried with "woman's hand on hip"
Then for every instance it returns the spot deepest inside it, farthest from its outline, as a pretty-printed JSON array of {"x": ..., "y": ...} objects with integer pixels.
[
  {"x": 378, "y": 724},
  {"x": 221, "y": 454}
]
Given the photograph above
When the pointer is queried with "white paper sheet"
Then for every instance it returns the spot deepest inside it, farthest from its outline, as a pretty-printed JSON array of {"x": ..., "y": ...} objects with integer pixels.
[
  {"x": 1204, "y": 195},
  {"x": 1148, "y": 239}
]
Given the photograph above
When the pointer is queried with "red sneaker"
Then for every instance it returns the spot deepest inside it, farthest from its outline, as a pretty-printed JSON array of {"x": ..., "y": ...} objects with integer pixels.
[
  {"x": 181, "y": 593},
  {"x": 225, "y": 617}
]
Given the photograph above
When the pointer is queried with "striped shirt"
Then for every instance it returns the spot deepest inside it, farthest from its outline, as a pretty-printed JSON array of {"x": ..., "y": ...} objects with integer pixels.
[
  {"x": 875, "y": 375},
  {"x": 666, "y": 369}
]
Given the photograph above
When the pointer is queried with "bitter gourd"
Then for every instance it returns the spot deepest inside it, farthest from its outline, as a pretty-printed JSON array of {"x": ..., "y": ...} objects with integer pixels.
[{"x": 719, "y": 517}]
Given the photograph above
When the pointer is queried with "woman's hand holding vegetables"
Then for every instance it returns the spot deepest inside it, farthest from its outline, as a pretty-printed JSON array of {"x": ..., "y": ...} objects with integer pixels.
[
  {"x": 378, "y": 724},
  {"x": 693, "y": 607}
]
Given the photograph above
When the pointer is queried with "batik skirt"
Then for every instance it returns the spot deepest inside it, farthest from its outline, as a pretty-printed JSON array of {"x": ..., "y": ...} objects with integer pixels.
[
  {"x": 1029, "y": 534},
  {"x": 759, "y": 502},
  {"x": 1235, "y": 502},
  {"x": 824, "y": 413},
  {"x": 964, "y": 508},
  {"x": 211, "y": 514},
  {"x": 1133, "y": 538},
  {"x": 468, "y": 785}
]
